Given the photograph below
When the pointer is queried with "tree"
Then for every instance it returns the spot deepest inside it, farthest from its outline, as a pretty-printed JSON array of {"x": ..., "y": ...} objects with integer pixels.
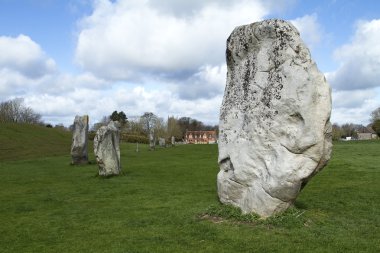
[
  {"x": 189, "y": 124},
  {"x": 148, "y": 121},
  {"x": 119, "y": 116},
  {"x": 336, "y": 132},
  {"x": 160, "y": 128},
  {"x": 349, "y": 130},
  {"x": 135, "y": 128},
  {"x": 184, "y": 123},
  {"x": 16, "y": 112},
  {"x": 375, "y": 121},
  {"x": 375, "y": 115},
  {"x": 376, "y": 126},
  {"x": 173, "y": 128},
  {"x": 196, "y": 125}
]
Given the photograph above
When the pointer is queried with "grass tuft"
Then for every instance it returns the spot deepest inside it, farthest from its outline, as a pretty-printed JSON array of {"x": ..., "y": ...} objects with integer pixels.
[{"x": 292, "y": 217}]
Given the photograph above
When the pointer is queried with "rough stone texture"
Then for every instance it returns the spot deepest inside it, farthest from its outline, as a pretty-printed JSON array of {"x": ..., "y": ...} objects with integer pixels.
[
  {"x": 275, "y": 132},
  {"x": 79, "y": 153},
  {"x": 107, "y": 150}
]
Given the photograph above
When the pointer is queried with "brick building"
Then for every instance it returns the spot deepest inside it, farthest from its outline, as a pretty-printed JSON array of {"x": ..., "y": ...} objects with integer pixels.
[{"x": 200, "y": 137}]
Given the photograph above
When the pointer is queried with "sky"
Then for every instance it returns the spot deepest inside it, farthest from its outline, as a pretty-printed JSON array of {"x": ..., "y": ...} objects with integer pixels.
[{"x": 93, "y": 57}]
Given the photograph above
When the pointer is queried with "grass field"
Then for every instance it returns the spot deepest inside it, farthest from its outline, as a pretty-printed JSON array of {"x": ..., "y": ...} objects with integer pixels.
[
  {"x": 166, "y": 202},
  {"x": 19, "y": 141}
]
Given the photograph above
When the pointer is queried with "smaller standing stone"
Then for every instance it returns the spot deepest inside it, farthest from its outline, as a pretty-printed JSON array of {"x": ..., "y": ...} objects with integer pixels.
[
  {"x": 151, "y": 141},
  {"x": 107, "y": 150},
  {"x": 79, "y": 153},
  {"x": 173, "y": 140},
  {"x": 162, "y": 142}
]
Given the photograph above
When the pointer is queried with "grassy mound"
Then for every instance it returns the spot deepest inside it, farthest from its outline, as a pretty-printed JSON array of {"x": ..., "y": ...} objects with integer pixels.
[
  {"x": 24, "y": 141},
  {"x": 166, "y": 202}
]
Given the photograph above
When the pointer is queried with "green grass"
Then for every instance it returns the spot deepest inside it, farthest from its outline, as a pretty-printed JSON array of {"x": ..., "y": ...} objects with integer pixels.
[
  {"x": 166, "y": 202},
  {"x": 23, "y": 141}
]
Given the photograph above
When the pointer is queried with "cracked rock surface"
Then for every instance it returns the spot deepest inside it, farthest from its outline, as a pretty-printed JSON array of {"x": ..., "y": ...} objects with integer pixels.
[
  {"x": 275, "y": 131},
  {"x": 79, "y": 153},
  {"x": 107, "y": 150}
]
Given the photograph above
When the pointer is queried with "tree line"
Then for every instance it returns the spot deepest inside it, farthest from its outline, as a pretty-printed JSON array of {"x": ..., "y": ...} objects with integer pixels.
[
  {"x": 352, "y": 130},
  {"x": 139, "y": 129},
  {"x": 14, "y": 111}
]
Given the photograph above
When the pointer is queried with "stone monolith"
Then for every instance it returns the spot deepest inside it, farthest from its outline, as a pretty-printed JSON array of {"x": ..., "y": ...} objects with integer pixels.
[
  {"x": 107, "y": 150},
  {"x": 152, "y": 141},
  {"x": 79, "y": 152},
  {"x": 275, "y": 132}
]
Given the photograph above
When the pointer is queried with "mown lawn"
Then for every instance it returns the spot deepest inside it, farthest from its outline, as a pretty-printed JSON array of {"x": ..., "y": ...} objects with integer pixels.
[{"x": 161, "y": 201}]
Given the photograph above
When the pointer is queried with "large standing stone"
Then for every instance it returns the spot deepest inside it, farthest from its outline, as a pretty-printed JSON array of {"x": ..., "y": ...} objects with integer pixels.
[
  {"x": 275, "y": 132},
  {"x": 107, "y": 150},
  {"x": 79, "y": 153}
]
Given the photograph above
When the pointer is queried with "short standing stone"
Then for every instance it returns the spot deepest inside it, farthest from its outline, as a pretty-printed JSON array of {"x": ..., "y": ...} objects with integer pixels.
[
  {"x": 162, "y": 142},
  {"x": 275, "y": 132},
  {"x": 152, "y": 143},
  {"x": 79, "y": 153},
  {"x": 107, "y": 150},
  {"x": 173, "y": 140}
]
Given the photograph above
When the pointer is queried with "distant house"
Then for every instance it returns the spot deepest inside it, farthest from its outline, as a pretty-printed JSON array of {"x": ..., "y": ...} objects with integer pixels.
[
  {"x": 200, "y": 137},
  {"x": 367, "y": 133}
]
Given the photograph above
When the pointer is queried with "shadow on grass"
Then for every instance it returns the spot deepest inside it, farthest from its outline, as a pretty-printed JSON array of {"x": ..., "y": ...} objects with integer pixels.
[{"x": 300, "y": 205}]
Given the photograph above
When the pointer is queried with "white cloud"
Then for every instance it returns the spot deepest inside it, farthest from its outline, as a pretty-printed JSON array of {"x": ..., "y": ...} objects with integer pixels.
[
  {"x": 208, "y": 82},
  {"x": 355, "y": 83},
  {"x": 122, "y": 39},
  {"x": 359, "y": 59},
  {"x": 133, "y": 101},
  {"x": 24, "y": 56},
  {"x": 26, "y": 69},
  {"x": 24, "y": 66},
  {"x": 354, "y": 106},
  {"x": 310, "y": 30},
  {"x": 358, "y": 115},
  {"x": 352, "y": 98}
]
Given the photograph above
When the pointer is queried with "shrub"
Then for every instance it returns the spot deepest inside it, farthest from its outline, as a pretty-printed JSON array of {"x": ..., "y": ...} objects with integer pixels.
[{"x": 134, "y": 138}]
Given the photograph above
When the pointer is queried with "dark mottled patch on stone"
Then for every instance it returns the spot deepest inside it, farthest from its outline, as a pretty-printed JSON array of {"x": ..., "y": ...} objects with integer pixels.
[{"x": 243, "y": 45}]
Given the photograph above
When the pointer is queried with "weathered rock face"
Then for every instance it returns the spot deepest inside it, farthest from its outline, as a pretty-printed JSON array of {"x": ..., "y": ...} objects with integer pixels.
[
  {"x": 107, "y": 150},
  {"x": 275, "y": 132},
  {"x": 79, "y": 153}
]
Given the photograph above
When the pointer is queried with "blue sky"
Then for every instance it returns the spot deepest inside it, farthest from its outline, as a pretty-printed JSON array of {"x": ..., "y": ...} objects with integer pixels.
[{"x": 166, "y": 56}]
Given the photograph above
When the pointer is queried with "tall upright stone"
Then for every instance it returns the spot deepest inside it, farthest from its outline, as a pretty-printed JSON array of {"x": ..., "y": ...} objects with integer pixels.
[
  {"x": 275, "y": 132},
  {"x": 79, "y": 152},
  {"x": 107, "y": 149}
]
